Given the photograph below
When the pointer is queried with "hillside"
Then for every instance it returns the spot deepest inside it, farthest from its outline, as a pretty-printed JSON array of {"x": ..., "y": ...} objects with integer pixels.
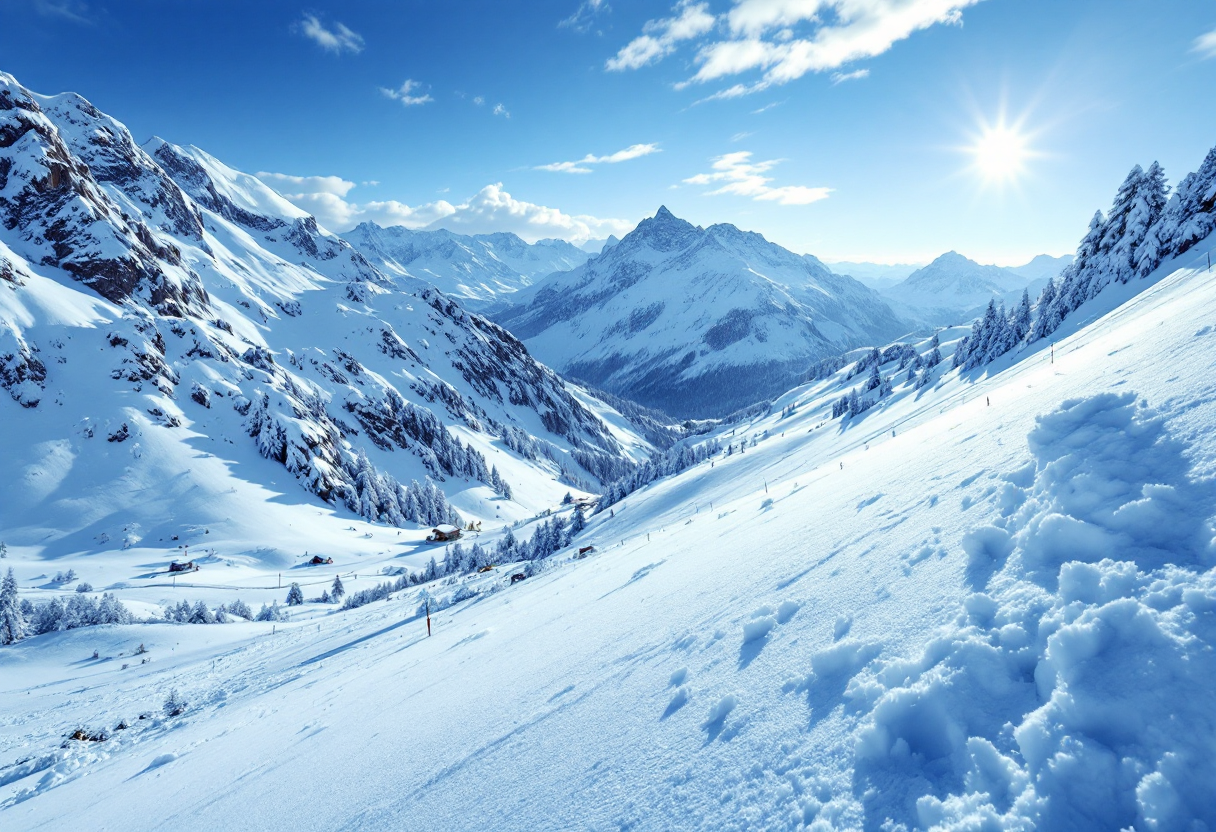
[
  {"x": 175, "y": 333},
  {"x": 696, "y": 321},
  {"x": 938, "y": 613}
]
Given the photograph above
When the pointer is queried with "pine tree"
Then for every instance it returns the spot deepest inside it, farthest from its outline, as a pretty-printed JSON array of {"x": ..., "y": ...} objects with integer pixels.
[
  {"x": 1020, "y": 322},
  {"x": 12, "y": 621},
  {"x": 875, "y": 379},
  {"x": 199, "y": 614},
  {"x": 294, "y": 596},
  {"x": 337, "y": 590}
]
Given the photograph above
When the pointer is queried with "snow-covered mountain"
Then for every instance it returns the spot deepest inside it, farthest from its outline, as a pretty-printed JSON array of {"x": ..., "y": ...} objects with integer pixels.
[
  {"x": 987, "y": 601},
  {"x": 478, "y": 269},
  {"x": 696, "y": 321},
  {"x": 1043, "y": 267},
  {"x": 162, "y": 313},
  {"x": 954, "y": 289},
  {"x": 877, "y": 276}
]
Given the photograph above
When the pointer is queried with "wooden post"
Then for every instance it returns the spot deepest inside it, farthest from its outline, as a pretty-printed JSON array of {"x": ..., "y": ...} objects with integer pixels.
[{"x": 428, "y": 618}]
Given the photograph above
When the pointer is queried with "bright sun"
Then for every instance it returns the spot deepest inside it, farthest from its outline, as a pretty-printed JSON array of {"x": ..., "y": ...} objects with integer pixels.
[{"x": 1000, "y": 153}]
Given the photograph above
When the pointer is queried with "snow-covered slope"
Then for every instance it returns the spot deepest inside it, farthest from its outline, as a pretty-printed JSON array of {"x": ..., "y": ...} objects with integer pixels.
[
  {"x": 987, "y": 602},
  {"x": 696, "y": 321},
  {"x": 173, "y": 331},
  {"x": 480, "y": 269}
]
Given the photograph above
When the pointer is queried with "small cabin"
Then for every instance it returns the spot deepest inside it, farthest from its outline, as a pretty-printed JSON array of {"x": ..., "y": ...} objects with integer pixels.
[
  {"x": 443, "y": 534},
  {"x": 585, "y": 550},
  {"x": 317, "y": 560},
  {"x": 188, "y": 566}
]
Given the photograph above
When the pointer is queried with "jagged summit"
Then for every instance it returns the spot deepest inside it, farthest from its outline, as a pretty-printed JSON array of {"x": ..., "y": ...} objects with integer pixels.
[{"x": 696, "y": 321}]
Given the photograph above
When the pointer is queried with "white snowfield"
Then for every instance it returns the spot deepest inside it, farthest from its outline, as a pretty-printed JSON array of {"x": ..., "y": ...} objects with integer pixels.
[{"x": 986, "y": 604}]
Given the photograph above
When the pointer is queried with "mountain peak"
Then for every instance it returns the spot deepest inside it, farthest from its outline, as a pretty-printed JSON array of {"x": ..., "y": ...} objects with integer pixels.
[{"x": 664, "y": 214}]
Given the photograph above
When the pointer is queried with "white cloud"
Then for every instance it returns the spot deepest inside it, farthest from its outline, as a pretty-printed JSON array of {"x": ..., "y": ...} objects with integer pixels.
[
  {"x": 855, "y": 75},
  {"x": 407, "y": 93},
  {"x": 740, "y": 176},
  {"x": 738, "y": 137},
  {"x": 337, "y": 39},
  {"x": 325, "y": 198},
  {"x": 284, "y": 183},
  {"x": 1205, "y": 45},
  {"x": 491, "y": 209},
  {"x": 634, "y": 151},
  {"x": 478, "y": 100},
  {"x": 500, "y": 110},
  {"x": 584, "y": 16},
  {"x": 660, "y": 37},
  {"x": 783, "y": 40}
]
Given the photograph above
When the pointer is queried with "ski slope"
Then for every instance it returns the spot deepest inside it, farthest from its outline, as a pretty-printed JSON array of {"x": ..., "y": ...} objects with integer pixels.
[{"x": 986, "y": 604}]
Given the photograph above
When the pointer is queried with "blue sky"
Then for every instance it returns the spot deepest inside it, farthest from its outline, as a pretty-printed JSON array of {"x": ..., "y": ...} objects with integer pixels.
[{"x": 844, "y": 128}]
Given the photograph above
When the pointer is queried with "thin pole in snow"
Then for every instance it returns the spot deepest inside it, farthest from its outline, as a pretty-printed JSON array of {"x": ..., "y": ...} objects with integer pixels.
[
  {"x": 280, "y": 580},
  {"x": 766, "y": 486},
  {"x": 1053, "y": 353},
  {"x": 428, "y": 619}
]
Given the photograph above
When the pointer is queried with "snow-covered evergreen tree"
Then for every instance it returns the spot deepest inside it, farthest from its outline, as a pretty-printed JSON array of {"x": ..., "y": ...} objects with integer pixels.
[
  {"x": 875, "y": 379},
  {"x": 337, "y": 590},
  {"x": 295, "y": 597},
  {"x": 12, "y": 621}
]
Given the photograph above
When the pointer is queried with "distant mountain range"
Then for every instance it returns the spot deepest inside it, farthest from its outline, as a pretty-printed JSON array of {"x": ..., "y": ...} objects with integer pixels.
[
  {"x": 953, "y": 288},
  {"x": 479, "y": 269},
  {"x": 696, "y": 321}
]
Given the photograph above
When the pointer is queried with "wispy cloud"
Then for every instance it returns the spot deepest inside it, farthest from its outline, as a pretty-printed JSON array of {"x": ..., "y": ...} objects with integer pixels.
[
  {"x": 1205, "y": 45},
  {"x": 500, "y": 110},
  {"x": 337, "y": 38},
  {"x": 782, "y": 40},
  {"x": 739, "y": 175},
  {"x": 766, "y": 108},
  {"x": 738, "y": 137},
  {"x": 585, "y": 16},
  {"x": 855, "y": 75},
  {"x": 408, "y": 93},
  {"x": 659, "y": 38},
  {"x": 478, "y": 100},
  {"x": 73, "y": 12},
  {"x": 634, "y": 151}
]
